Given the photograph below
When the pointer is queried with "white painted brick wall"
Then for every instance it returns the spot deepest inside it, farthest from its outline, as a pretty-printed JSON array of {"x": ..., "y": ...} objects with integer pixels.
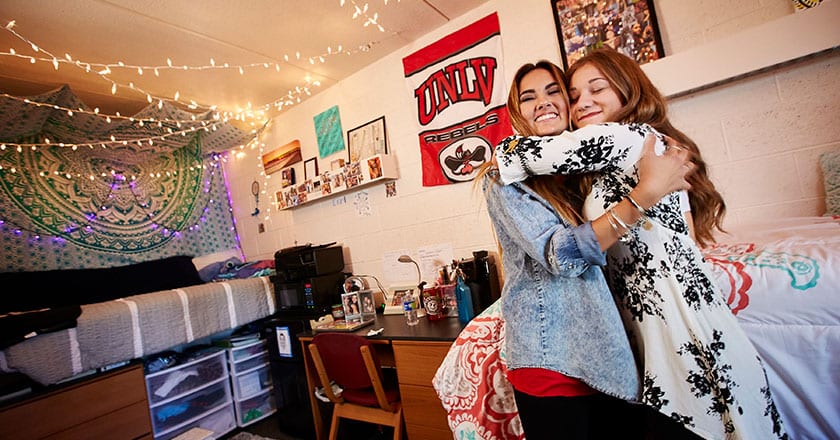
[{"x": 761, "y": 136}]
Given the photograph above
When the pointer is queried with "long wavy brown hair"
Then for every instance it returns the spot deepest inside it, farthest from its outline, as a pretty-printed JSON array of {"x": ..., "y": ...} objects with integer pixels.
[
  {"x": 562, "y": 192},
  {"x": 642, "y": 103}
]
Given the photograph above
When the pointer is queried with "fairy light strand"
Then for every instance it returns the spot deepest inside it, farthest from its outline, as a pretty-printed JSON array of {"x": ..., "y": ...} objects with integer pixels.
[{"x": 105, "y": 69}]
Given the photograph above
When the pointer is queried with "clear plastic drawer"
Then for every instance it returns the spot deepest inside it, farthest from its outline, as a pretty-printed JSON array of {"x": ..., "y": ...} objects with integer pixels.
[
  {"x": 220, "y": 422},
  {"x": 247, "y": 384},
  {"x": 240, "y": 353},
  {"x": 180, "y": 412},
  {"x": 179, "y": 380},
  {"x": 255, "y": 408},
  {"x": 250, "y": 364}
]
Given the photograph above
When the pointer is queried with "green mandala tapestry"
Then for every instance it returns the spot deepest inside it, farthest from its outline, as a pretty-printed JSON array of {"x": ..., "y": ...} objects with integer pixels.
[{"x": 97, "y": 205}]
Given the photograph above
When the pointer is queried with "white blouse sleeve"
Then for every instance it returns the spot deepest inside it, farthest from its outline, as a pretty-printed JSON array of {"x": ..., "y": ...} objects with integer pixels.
[
  {"x": 600, "y": 147},
  {"x": 685, "y": 206}
]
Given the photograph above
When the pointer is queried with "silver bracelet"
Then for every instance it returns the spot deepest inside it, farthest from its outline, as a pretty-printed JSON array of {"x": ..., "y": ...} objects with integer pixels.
[
  {"x": 612, "y": 219},
  {"x": 637, "y": 205},
  {"x": 618, "y": 219},
  {"x": 643, "y": 219}
]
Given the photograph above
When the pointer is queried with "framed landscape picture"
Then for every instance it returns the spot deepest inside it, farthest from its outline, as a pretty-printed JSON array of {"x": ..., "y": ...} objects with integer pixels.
[
  {"x": 628, "y": 26},
  {"x": 281, "y": 157}
]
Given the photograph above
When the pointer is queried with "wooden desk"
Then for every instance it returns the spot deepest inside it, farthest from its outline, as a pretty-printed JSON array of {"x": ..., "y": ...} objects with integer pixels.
[{"x": 417, "y": 351}]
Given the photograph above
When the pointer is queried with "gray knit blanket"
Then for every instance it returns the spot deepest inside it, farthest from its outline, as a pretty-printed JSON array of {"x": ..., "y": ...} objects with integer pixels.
[{"x": 136, "y": 326}]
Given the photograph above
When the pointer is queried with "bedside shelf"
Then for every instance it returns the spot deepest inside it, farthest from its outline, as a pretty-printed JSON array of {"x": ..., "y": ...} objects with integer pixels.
[{"x": 355, "y": 175}]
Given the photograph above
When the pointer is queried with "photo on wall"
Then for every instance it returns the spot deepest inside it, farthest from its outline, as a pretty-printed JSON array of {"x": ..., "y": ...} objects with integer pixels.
[
  {"x": 282, "y": 157},
  {"x": 627, "y": 26},
  {"x": 367, "y": 140}
]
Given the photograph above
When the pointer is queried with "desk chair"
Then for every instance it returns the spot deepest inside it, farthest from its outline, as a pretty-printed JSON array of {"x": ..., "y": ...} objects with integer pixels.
[{"x": 351, "y": 362}]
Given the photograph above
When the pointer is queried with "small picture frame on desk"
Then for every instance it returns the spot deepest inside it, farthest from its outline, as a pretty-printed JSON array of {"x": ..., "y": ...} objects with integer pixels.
[
  {"x": 368, "y": 305},
  {"x": 397, "y": 292},
  {"x": 352, "y": 307}
]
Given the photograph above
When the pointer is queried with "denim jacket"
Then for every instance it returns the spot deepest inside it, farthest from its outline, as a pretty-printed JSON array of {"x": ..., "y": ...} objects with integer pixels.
[{"x": 559, "y": 313}]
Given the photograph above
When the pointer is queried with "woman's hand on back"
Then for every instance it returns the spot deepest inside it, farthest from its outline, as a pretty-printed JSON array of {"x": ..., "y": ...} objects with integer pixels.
[{"x": 663, "y": 174}]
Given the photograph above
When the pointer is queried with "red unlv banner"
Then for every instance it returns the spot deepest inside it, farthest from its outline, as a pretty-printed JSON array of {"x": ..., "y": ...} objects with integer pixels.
[{"x": 459, "y": 93}]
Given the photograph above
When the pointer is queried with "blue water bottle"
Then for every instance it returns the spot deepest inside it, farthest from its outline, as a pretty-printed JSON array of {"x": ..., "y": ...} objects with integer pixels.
[{"x": 464, "y": 297}]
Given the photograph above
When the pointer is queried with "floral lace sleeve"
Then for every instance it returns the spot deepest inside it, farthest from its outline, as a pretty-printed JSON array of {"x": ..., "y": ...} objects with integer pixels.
[{"x": 601, "y": 147}]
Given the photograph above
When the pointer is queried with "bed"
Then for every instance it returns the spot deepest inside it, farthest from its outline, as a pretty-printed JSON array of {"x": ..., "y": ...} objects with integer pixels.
[
  {"x": 98, "y": 335},
  {"x": 782, "y": 281}
]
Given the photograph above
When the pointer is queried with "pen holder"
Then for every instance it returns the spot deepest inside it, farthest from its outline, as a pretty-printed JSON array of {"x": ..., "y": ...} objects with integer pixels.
[{"x": 433, "y": 303}]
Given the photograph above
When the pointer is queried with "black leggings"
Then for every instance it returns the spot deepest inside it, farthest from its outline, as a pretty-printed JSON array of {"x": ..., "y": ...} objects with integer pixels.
[{"x": 596, "y": 416}]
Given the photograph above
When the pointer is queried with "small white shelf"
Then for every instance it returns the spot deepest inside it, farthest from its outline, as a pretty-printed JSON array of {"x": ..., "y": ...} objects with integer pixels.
[{"x": 375, "y": 169}]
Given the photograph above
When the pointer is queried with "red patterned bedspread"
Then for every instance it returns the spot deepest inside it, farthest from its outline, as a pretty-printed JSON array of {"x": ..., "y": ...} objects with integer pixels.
[{"x": 781, "y": 279}]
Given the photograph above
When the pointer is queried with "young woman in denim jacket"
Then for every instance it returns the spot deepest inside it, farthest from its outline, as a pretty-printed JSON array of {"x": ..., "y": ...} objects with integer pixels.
[
  {"x": 568, "y": 355},
  {"x": 699, "y": 369}
]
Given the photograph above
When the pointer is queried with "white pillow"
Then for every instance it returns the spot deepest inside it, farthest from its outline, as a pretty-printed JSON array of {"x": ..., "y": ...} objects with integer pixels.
[{"x": 205, "y": 260}]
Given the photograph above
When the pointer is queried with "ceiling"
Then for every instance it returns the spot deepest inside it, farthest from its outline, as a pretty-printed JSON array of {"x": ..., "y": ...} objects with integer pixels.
[{"x": 299, "y": 41}]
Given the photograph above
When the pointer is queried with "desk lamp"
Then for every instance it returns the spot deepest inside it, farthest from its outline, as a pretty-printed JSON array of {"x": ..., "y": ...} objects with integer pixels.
[
  {"x": 420, "y": 283},
  {"x": 407, "y": 259}
]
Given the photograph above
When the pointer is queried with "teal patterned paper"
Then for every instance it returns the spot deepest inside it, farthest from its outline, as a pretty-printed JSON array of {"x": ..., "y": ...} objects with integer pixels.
[{"x": 329, "y": 133}]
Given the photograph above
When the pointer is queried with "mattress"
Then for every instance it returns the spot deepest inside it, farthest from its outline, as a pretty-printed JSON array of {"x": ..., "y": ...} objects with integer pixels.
[{"x": 136, "y": 326}]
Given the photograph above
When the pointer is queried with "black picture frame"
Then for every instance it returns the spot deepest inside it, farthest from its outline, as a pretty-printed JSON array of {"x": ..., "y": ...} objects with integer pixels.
[
  {"x": 310, "y": 168},
  {"x": 627, "y": 26},
  {"x": 287, "y": 177},
  {"x": 367, "y": 140}
]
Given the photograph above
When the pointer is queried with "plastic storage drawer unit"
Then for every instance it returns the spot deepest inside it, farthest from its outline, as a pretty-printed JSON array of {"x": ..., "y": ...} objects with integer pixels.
[
  {"x": 193, "y": 406},
  {"x": 255, "y": 408},
  {"x": 195, "y": 393},
  {"x": 247, "y": 384},
  {"x": 220, "y": 422},
  {"x": 238, "y": 354},
  {"x": 176, "y": 381},
  {"x": 249, "y": 364}
]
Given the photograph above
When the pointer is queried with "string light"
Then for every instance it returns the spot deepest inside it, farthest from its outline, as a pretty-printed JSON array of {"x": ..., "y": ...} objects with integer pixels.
[
  {"x": 105, "y": 69},
  {"x": 184, "y": 127},
  {"x": 119, "y": 181},
  {"x": 363, "y": 12}
]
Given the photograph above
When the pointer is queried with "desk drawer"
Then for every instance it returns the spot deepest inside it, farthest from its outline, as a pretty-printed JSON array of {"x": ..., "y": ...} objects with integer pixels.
[
  {"x": 417, "y": 362},
  {"x": 417, "y": 432},
  {"x": 422, "y": 407}
]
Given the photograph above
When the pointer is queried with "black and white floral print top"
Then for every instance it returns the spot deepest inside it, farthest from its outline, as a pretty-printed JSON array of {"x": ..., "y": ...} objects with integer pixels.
[{"x": 698, "y": 366}]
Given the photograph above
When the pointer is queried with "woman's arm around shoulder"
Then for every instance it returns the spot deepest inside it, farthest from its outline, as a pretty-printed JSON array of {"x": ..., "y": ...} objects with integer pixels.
[{"x": 592, "y": 148}]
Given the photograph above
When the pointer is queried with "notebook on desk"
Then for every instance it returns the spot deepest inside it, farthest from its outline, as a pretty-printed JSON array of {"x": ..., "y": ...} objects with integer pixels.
[{"x": 341, "y": 325}]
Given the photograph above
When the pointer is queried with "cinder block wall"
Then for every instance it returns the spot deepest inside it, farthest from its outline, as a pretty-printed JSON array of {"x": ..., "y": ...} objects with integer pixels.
[{"x": 761, "y": 135}]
